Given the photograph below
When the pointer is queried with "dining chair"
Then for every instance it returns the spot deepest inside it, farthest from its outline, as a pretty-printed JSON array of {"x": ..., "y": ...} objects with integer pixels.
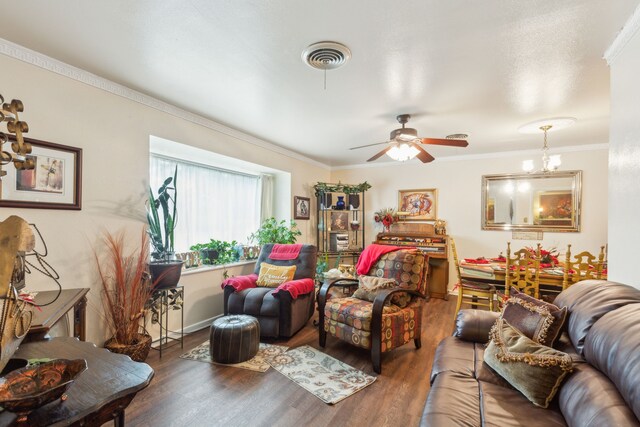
[
  {"x": 522, "y": 271},
  {"x": 470, "y": 292},
  {"x": 584, "y": 266}
]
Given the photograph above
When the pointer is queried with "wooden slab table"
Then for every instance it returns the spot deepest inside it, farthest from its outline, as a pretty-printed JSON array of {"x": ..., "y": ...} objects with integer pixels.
[
  {"x": 100, "y": 394},
  {"x": 47, "y": 316}
]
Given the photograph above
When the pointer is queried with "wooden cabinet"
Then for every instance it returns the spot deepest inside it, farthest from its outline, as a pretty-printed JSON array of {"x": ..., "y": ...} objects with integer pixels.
[{"x": 423, "y": 237}]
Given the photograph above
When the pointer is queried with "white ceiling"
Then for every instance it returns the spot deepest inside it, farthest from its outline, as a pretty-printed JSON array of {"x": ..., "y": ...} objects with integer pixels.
[{"x": 477, "y": 67}]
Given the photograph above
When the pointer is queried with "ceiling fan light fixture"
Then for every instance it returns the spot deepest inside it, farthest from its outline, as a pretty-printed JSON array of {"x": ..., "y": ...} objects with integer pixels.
[{"x": 402, "y": 152}]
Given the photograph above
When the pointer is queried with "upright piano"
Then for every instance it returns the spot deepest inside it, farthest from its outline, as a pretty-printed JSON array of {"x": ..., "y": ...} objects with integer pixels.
[{"x": 436, "y": 246}]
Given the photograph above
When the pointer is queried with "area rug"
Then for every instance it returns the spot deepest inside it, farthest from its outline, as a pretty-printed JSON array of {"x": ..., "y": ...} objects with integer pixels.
[
  {"x": 258, "y": 363},
  {"x": 327, "y": 378}
]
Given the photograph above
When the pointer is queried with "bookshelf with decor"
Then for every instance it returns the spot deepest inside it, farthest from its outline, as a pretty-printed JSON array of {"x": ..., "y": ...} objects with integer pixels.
[{"x": 340, "y": 221}]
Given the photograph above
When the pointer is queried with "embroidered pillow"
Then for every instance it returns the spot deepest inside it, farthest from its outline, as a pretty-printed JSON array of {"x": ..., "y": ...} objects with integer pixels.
[
  {"x": 538, "y": 320},
  {"x": 272, "y": 276},
  {"x": 370, "y": 286},
  {"x": 533, "y": 369}
]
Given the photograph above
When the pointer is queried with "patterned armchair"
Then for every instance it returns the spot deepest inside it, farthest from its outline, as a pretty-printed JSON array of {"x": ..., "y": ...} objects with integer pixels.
[{"x": 393, "y": 318}]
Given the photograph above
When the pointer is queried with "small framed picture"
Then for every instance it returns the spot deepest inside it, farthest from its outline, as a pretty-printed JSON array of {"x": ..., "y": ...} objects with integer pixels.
[
  {"x": 339, "y": 221},
  {"x": 302, "y": 207},
  {"x": 418, "y": 205},
  {"x": 54, "y": 183}
]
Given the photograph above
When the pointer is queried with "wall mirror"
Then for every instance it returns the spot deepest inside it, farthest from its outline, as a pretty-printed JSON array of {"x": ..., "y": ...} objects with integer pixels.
[{"x": 532, "y": 202}]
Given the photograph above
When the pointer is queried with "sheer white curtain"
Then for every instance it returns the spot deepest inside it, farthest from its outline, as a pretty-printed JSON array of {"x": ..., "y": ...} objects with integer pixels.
[
  {"x": 212, "y": 203},
  {"x": 266, "y": 183}
]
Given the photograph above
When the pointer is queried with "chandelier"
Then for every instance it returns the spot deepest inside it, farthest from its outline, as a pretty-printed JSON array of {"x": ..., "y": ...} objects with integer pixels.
[
  {"x": 18, "y": 151},
  {"x": 550, "y": 162}
]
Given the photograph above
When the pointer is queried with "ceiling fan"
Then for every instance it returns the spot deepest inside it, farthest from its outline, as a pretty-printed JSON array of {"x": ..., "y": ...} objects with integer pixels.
[{"x": 404, "y": 144}]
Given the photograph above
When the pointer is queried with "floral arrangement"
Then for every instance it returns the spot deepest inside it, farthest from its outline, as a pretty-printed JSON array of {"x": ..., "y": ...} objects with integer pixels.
[
  {"x": 386, "y": 216},
  {"x": 548, "y": 257}
]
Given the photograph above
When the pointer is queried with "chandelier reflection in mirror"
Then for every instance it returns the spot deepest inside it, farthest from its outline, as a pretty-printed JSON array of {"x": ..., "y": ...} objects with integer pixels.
[{"x": 550, "y": 162}]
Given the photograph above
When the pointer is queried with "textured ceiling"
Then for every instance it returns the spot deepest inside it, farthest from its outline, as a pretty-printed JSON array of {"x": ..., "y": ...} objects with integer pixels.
[{"x": 477, "y": 67}]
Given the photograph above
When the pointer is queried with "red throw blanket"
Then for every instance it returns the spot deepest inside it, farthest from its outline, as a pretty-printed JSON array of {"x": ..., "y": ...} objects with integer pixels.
[
  {"x": 372, "y": 253},
  {"x": 240, "y": 283},
  {"x": 296, "y": 287},
  {"x": 285, "y": 252}
]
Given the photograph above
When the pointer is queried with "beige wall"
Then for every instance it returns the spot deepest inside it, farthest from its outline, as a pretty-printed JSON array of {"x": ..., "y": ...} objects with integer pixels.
[
  {"x": 624, "y": 164},
  {"x": 458, "y": 183},
  {"x": 114, "y": 134}
]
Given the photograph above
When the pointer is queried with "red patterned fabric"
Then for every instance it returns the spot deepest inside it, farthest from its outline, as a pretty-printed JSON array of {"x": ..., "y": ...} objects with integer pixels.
[
  {"x": 240, "y": 283},
  {"x": 296, "y": 287},
  {"x": 371, "y": 254},
  {"x": 285, "y": 252}
]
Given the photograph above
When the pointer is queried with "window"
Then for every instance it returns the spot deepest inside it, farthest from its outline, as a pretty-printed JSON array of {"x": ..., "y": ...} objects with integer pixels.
[{"x": 213, "y": 203}]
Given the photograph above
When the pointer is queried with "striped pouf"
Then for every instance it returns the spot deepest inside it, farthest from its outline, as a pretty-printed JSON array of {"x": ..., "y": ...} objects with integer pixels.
[{"x": 234, "y": 338}]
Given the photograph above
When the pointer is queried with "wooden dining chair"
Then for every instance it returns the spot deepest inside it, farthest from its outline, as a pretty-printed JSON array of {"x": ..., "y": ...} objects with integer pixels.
[
  {"x": 469, "y": 292},
  {"x": 523, "y": 271},
  {"x": 584, "y": 266}
]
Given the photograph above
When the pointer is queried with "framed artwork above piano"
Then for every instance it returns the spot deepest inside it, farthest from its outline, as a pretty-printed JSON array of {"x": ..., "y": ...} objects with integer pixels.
[{"x": 423, "y": 237}]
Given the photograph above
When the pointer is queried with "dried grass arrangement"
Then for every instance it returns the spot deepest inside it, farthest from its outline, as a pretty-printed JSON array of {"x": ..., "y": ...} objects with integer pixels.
[{"x": 126, "y": 289}]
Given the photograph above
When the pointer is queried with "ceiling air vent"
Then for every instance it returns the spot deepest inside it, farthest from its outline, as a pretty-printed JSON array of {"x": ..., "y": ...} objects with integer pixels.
[{"x": 326, "y": 55}]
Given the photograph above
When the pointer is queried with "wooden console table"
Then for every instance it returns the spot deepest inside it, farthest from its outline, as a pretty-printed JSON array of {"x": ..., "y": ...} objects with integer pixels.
[
  {"x": 100, "y": 394},
  {"x": 49, "y": 315}
]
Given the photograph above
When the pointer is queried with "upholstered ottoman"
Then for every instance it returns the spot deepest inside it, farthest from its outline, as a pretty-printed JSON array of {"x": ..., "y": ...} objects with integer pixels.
[{"x": 234, "y": 338}]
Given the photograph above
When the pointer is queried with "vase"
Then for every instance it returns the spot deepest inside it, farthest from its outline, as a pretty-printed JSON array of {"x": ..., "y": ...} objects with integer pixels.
[
  {"x": 340, "y": 204},
  {"x": 354, "y": 201}
]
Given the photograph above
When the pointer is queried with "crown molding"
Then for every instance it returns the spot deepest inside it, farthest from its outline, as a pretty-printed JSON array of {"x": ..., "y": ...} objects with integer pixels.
[
  {"x": 53, "y": 65},
  {"x": 483, "y": 156},
  {"x": 627, "y": 32}
]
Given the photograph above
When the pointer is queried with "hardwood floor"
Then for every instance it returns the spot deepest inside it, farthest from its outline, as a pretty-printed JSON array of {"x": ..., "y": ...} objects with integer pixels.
[{"x": 190, "y": 393}]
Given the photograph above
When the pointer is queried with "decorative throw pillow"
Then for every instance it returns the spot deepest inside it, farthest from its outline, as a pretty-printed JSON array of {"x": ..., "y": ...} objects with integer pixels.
[
  {"x": 370, "y": 286},
  {"x": 533, "y": 369},
  {"x": 272, "y": 276},
  {"x": 538, "y": 320}
]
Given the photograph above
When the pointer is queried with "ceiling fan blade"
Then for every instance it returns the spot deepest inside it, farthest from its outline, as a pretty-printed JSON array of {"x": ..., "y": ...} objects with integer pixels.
[
  {"x": 442, "y": 141},
  {"x": 368, "y": 145},
  {"x": 380, "y": 154},
  {"x": 423, "y": 155}
]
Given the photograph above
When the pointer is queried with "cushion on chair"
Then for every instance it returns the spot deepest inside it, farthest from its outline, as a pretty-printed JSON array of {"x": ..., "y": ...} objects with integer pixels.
[
  {"x": 272, "y": 276},
  {"x": 406, "y": 267},
  {"x": 370, "y": 286},
  {"x": 477, "y": 286},
  {"x": 350, "y": 320}
]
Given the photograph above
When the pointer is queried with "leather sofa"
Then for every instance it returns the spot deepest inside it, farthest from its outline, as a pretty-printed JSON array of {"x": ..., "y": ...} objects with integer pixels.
[
  {"x": 279, "y": 314},
  {"x": 602, "y": 336}
]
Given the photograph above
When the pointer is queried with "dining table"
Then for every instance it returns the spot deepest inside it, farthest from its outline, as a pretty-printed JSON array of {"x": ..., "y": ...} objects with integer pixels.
[{"x": 492, "y": 270}]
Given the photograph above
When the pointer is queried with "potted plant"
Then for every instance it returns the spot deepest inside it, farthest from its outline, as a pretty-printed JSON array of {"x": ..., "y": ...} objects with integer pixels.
[
  {"x": 217, "y": 251},
  {"x": 162, "y": 218},
  {"x": 272, "y": 231},
  {"x": 126, "y": 289}
]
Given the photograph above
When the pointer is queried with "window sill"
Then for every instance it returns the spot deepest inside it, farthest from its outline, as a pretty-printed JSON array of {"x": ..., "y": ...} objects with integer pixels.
[{"x": 205, "y": 268}]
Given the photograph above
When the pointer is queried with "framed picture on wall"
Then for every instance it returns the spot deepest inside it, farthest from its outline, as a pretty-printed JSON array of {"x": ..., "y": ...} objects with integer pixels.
[
  {"x": 555, "y": 208},
  {"x": 54, "y": 183},
  {"x": 418, "y": 205},
  {"x": 302, "y": 207}
]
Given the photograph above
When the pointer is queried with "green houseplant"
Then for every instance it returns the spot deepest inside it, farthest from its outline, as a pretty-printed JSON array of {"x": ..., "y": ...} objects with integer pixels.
[
  {"x": 162, "y": 219},
  {"x": 126, "y": 288},
  {"x": 217, "y": 251},
  {"x": 272, "y": 231}
]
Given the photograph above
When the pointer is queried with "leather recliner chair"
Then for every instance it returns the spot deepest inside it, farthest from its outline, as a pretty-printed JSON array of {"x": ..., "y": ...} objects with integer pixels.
[{"x": 279, "y": 313}]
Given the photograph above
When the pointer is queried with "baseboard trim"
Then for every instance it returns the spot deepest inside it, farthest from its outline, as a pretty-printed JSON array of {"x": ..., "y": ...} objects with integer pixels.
[{"x": 188, "y": 329}]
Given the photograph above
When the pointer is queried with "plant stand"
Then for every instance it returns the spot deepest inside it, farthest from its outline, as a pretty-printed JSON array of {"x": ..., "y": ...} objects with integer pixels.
[{"x": 161, "y": 303}]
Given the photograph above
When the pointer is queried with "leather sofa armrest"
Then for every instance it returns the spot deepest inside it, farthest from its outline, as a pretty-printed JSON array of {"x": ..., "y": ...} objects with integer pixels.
[{"x": 474, "y": 325}]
